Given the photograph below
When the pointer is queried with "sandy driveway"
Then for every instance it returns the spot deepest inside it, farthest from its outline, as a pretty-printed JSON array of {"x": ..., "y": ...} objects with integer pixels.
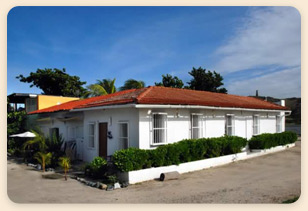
[{"x": 271, "y": 178}]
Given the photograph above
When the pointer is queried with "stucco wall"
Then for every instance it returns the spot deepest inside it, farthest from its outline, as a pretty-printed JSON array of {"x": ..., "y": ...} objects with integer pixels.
[
  {"x": 112, "y": 117},
  {"x": 213, "y": 124},
  {"x": 140, "y": 125}
]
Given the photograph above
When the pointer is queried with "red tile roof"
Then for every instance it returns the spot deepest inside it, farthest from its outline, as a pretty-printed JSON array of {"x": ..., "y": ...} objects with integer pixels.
[{"x": 167, "y": 96}]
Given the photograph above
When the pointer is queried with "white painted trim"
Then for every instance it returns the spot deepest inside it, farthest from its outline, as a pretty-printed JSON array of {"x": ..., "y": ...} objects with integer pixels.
[
  {"x": 204, "y": 107},
  {"x": 149, "y": 106}
]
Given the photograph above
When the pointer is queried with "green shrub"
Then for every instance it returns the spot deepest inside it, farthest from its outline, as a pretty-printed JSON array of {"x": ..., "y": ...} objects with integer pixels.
[
  {"x": 267, "y": 140},
  {"x": 157, "y": 156},
  {"x": 96, "y": 168},
  {"x": 180, "y": 152},
  {"x": 131, "y": 159},
  {"x": 214, "y": 147},
  {"x": 172, "y": 155}
]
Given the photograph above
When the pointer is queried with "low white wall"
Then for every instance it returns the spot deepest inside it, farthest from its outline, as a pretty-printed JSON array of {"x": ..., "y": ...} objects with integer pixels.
[{"x": 142, "y": 175}]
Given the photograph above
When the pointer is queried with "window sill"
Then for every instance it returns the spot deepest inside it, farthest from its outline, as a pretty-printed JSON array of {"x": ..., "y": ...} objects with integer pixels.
[{"x": 157, "y": 144}]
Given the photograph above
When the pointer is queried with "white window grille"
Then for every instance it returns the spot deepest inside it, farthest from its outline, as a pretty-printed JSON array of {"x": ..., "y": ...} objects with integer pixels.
[
  {"x": 229, "y": 125},
  {"x": 91, "y": 135},
  {"x": 123, "y": 135},
  {"x": 196, "y": 126},
  {"x": 278, "y": 124},
  {"x": 255, "y": 124},
  {"x": 159, "y": 125}
]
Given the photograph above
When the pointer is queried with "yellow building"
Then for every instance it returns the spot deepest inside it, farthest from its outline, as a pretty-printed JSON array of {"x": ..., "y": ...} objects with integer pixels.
[{"x": 32, "y": 102}]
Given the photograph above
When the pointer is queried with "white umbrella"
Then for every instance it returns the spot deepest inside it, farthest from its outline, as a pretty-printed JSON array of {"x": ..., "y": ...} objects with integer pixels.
[{"x": 24, "y": 135}]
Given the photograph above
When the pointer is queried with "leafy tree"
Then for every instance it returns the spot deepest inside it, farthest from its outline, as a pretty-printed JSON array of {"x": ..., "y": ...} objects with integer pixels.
[
  {"x": 170, "y": 81},
  {"x": 132, "y": 84},
  {"x": 206, "y": 80},
  {"x": 15, "y": 122},
  {"x": 43, "y": 158},
  {"x": 101, "y": 87},
  {"x": 65, "y": 163},
  {"x": 55, "y": 82}
]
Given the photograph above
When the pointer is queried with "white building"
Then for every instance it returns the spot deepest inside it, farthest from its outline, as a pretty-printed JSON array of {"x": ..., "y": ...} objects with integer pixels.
[{"x": 148, "y": 117}]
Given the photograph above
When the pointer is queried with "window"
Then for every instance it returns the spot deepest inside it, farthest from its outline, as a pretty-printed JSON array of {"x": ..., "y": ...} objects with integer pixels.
[
  {"x": 255, "y": 124},
  {"x": 31, "y": 104},
  {"x": 196, "y": 126},
  {"x": 159, "y": 128},
  {"x": 229, "y": 125},
  {"x": 123, "y": 135},
  {"x": 278, "y": 124},
  {"x": 91, "y": 134}
]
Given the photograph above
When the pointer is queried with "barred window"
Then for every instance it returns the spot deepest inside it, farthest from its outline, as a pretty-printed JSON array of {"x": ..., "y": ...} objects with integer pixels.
[
  {"x": 196, "y": 126},
  {"x": 123, "y": 135},
  {"x": 91, "y": 135},
  {"x": 229, "y": 125},
  {"x": 255, "y": 124},
  {"x": 159, "y": 128}
]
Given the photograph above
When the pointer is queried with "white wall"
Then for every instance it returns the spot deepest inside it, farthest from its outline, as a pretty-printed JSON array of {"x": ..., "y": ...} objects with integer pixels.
[
  {"x": 140, "y": 123},
  {"x": 213, "y": 124},
  {"x": 112, "y": 117}
]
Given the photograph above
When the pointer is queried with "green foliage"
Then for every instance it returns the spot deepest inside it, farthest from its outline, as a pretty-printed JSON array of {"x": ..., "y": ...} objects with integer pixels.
[
  {"x": 170, "y": 81},
  {"x": 43, "y": 158},
  {"x": 132, "y": 84},
  {"x": 173, "y": 154},
  {"x": 53, "y": 145},
  {"x": 65, "y": 163},
  {"x": 112, "y": 179},
  {"x": 38, "y": 143},
  {"x": 15, "y": 122},
  {"x": 96, "y": 168},
  {"x": 55, "y": 82},
  {"x": 267, "y": 140},
  {"x": 130, "y": 159},
  {"x": 101, "y": 87},
  {"x": 206, "y": 80}
]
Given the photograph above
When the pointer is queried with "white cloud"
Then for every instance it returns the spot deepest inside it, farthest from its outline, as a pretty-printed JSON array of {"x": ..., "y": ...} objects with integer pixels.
[
  {"x": 282, "y": 84},
  {"x": 268, "y": 36}
]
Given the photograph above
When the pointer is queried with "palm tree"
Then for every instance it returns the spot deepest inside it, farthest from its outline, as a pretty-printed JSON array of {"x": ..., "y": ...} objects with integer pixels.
[
  {"x": 43, "y": 158},
  {"x": 132, "y": 84},
  {"x": 101, "y": 87},
  {"x": 108, "y": 85},
  {"x": 38, "y": 140},
  {"x": 65, "y": 163}
]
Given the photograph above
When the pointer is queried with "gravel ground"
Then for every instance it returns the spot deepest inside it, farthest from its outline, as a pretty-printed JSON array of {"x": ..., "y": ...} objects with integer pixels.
[{"x": 271, "y": 178}]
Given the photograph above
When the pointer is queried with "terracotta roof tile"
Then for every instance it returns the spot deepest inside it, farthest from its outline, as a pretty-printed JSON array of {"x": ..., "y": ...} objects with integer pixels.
[{"x": 169, "y": 96}]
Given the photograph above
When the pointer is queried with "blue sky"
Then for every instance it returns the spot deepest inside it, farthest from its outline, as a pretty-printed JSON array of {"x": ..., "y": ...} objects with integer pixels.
[{"x": 251, "y": 47}]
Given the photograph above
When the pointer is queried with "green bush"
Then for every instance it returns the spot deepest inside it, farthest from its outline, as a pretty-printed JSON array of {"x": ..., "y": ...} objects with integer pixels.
[
  {"x": 267, "y": 140},
  {"x": 131, "y": 159},
  {"x": 96, "y": 168},
  {"x": 173, "y": 154}
]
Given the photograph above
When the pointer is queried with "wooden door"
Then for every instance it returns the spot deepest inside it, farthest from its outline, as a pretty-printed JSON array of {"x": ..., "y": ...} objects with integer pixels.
[{"x": 102, "y": 148}]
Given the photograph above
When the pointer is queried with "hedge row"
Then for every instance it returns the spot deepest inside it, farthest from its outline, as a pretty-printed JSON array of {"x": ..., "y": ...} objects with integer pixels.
[
  {"x": 267, "y": 140},
  {"x": 180, "y": 152}
]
